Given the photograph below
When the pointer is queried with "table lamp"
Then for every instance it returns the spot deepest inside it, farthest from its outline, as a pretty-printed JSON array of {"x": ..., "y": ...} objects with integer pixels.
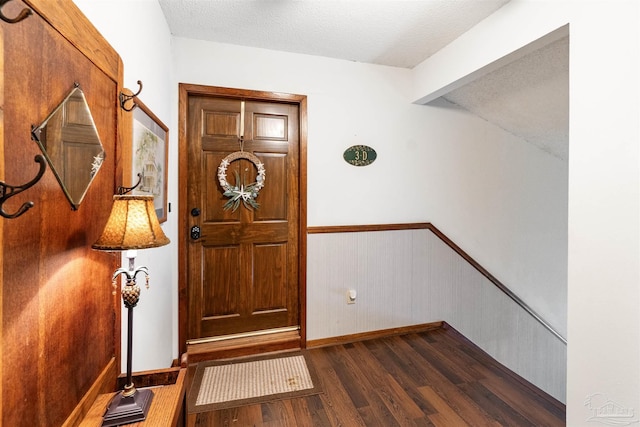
[{"x": 132, "y": 225}]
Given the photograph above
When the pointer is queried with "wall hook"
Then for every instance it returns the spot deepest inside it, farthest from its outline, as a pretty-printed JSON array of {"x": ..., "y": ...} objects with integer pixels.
[
  {"x": 124, "y": 190},
  {"x": 8, "y": 191},
  {"x": 22, "y": 15},
  {"x": 126, "y": 98}
]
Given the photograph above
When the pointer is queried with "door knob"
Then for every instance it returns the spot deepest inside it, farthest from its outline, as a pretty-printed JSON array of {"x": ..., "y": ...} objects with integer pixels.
[{"x": 195, "y": 212}]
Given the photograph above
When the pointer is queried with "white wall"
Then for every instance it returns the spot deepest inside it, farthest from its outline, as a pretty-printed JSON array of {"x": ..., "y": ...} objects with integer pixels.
[
  {"x": 504, "y": 202},
  {"x": 482, "y": 186},
  {"x": 603, "y": 190},
  {"x": 604, "y": 254},
  {"x": 139, "y": 33},
  {"x": 437, "y": 164},
  {"x": 348, "y": 103}
]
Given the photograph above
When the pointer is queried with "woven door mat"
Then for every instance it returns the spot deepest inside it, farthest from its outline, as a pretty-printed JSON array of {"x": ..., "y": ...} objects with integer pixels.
[{"x": 228, "y": 384}]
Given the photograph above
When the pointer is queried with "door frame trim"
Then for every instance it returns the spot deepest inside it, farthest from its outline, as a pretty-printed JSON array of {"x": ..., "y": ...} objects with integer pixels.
[{"x": 185, "y": 90}]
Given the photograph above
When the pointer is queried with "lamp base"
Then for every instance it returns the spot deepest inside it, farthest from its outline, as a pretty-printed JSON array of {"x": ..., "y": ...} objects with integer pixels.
[{"x": 127, "y": 410}]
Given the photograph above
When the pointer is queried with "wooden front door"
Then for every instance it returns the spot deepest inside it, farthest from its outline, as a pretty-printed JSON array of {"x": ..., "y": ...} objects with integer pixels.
[{"x": 243, "y": 265}]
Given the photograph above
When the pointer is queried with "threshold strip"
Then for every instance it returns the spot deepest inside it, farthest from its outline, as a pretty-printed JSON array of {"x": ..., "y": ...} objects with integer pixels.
[{"x": 243, "y": 335}]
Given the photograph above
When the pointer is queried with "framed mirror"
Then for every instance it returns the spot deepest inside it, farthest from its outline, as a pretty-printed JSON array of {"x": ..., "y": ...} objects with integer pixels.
[{"x": 70, "y": 142}]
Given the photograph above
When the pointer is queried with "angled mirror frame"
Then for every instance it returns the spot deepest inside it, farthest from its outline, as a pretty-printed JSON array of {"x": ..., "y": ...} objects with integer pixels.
[{"x": 70, "y": 142}]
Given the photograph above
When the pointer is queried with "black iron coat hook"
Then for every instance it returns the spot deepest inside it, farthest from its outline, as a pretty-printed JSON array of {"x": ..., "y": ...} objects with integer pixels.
[
  {"x": 22, "y": 15},
  {"x": 7, "y": 191},
  {"x": 126, "y": 98},
  {"x": 124, "y": 190}
]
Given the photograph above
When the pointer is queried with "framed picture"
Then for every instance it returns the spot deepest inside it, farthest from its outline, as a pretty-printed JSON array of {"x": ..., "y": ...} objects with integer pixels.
[{"x": 149, "y": 157}]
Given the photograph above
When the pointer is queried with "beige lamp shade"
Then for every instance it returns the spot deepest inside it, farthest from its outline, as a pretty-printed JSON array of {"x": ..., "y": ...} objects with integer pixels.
[{"x": 133, "y": 224}]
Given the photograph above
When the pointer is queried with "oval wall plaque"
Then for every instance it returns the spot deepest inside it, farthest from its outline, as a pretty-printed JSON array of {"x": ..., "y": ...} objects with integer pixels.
[{"x": 360, "y": 155}]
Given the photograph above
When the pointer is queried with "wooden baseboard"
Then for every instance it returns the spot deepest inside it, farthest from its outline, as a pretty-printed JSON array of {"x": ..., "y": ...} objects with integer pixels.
[{"x": 324, "y": 342}]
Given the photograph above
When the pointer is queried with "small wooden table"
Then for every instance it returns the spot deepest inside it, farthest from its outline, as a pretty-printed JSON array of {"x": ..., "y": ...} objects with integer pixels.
[{"x": 167, "y": 407}]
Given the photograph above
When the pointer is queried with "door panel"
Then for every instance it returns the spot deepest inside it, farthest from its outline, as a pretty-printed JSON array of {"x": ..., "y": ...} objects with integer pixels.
[
  {"x": 273, "y": 196},
  {"x": 270, "y": 278},
  {"x": 219, "y": 296},
  {"x": 243, "y": 270},
  {"x": 270, "y": 126}
]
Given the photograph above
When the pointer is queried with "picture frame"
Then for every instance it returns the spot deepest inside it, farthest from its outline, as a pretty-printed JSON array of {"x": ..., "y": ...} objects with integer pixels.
[{"x": 150, "y": 157}]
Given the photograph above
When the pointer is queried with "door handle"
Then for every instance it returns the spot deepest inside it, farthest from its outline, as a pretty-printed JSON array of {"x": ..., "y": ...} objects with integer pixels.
[{"x": 195, "y": 232}]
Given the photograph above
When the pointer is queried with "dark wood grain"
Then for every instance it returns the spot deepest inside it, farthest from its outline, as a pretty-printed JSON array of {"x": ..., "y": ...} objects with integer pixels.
[
  {"x": 367, "y": 227},
  {"x": 269, "y": 290},
  {"x": 243, "y": 269},
  {"x": 60, "y": 321},
  {"x": 429, "y": 378}
]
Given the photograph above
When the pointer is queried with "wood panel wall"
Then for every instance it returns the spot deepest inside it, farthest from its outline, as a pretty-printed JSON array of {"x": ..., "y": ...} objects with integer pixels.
[{"x": 59, "y": 320}]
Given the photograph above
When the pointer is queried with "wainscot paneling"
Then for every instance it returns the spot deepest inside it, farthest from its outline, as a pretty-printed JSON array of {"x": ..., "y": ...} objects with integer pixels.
[{"x": 411, "y": 276}]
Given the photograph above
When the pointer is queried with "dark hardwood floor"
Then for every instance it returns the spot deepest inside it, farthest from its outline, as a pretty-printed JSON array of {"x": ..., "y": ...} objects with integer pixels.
[{"x": 431, "y": 378}]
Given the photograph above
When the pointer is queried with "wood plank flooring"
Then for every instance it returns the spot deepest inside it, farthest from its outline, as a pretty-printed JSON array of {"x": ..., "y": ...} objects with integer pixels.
[{"x": 431, "y": 378}]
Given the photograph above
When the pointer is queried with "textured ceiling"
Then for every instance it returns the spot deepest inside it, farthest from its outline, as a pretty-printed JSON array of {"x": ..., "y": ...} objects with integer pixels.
[
  {"x": 400, "y": 33},
  {"x": 528, "y": 97}
]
